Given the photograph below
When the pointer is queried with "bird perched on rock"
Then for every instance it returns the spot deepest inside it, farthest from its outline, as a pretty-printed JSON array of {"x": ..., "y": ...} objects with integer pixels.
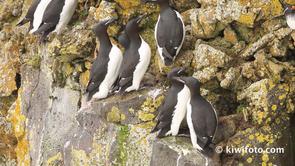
[
  {"x": 201, "y": 116},
  {"x": 169, "y": 32},
  {"x": 52, "y": 16},
  {"x": 136, "y": 59},
  {"x": 105, "y": 68},
  {"x": 30, "y": 15},
  {"x": 173, "y": 110}
]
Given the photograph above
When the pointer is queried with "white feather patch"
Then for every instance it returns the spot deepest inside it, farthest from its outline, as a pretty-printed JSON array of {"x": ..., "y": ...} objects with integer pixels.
[
  {"x": 114, "y": 64},
  {"x": 142, "y": 66},
  {"x": 291, "y": 20},
  {"x": 66, "y": 15},
  {"x": 38, "y": 15},
  {"x": 180, "y": 110}
]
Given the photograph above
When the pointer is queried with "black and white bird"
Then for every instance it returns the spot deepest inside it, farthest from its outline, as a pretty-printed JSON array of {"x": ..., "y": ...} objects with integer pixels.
[
  {"x": 52, "y": 16},
  {"x": 30, "y": 15},
  {"x": 105, "y": 68},
  {"x": 201, "y": 116},
  {"x": 169, "y": 32},
  {"x": 173, "y": 110},
  {"x": 136, "y": 57}
]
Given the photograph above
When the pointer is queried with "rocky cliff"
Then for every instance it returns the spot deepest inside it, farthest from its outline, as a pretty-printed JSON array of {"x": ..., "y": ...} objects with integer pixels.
[{"x": 242, "y": 52}]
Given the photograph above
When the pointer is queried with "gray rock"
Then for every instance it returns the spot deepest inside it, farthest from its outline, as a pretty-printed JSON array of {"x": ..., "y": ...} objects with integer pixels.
[{"x": 177, "y": 151}]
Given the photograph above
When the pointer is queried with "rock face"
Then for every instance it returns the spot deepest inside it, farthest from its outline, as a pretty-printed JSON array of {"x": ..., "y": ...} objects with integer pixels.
[{"x": 241, "y": 51}]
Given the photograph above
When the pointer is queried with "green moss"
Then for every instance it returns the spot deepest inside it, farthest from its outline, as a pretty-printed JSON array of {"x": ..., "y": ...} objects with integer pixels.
[{"x": 122, "y": 141}]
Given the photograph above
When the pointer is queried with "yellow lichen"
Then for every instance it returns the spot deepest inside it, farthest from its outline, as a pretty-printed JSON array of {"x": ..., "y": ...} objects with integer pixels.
[
  {"x": 260, "y": 138},
  {"x": 265, "y": 157},
  {"x": 18, "y": 121},
  {"x": 84, "y": 78},
  {"x": 79, "y": 157},
  {"x": 115, "y": 115},
  {"x": 274, "y": 107},
  {"x": 54, "y": 158},
  {"x": 145, "y": 116},
  {"x": 251, "y": 137},
  {"x": 247, "y": 19},
  {"x": 249, "y": 160}
]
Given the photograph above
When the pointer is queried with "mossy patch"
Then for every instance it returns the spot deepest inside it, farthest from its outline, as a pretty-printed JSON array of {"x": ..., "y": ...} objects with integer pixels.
[{"x": 122, "y": 141}]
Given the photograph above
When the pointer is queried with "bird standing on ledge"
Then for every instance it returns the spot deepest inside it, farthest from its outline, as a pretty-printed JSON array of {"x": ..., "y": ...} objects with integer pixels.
[{"x": 105, "y": 68}]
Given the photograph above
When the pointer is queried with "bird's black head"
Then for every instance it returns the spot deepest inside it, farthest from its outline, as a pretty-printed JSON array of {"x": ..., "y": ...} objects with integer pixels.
[
  {"x": 132, "y": 26},
  {"x": 192, "y": 83},
  {"x": 102, "y": 26},
  {"x": 289, "y": 10},
  {"x": 176, "y": 72}
]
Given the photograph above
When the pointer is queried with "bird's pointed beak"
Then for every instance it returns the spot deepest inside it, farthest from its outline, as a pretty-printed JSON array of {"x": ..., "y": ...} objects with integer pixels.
[
  {"x": 179, "y": 79},
  {"x": 146, "y": 1},
  {"x": 182, "y": 70},
  {"x": 139, "y": 18},
  {"x": 110, "y": 21}
]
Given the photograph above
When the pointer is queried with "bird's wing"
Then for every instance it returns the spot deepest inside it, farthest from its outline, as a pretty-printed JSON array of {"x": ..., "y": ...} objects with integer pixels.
[
  {"x": 130, "y": 60},
  {"x": 97, "y": 73},
  {"x": 52, "y": 12}
]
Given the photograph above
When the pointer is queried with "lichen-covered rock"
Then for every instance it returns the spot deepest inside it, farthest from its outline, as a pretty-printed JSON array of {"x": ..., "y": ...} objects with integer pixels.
[
  {"x": 177, "y": 151},
  {"x": 208, "y": 61},
  {"x": 204, "y": 23}
]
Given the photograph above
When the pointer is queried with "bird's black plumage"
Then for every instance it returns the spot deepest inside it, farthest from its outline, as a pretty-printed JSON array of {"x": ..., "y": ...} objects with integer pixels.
[
  {"x": 50, "y": 18},
  {"x": 169, "y": 31},
  {"x": 30, "y": 15},
  {"x": 131, "y": 40},
  {"x": 124, "y": 40},
  {"x": 99, "y": 68},
  {"x": 203, "y": 115},
  {"x": 166, "y": 109}
]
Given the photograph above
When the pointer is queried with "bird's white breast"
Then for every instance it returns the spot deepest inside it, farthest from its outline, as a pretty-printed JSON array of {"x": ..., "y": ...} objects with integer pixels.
[
  {"x": 180, "y": 109},
  {"x": 114, "y": 64},
  {"x": 66, "y": 14},
  {"x": 291, "y": 20},
  {"x": 38, "y": 15}
]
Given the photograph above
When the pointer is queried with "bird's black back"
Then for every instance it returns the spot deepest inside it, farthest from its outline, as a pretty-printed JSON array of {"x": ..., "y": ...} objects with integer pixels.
[
  {"x": 52, "y": 12},
  {"x": 169, "y": 31}
]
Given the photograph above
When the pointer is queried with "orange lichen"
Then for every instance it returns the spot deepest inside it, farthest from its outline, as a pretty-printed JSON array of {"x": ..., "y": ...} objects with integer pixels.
[{"x": 18, "y": 121}]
